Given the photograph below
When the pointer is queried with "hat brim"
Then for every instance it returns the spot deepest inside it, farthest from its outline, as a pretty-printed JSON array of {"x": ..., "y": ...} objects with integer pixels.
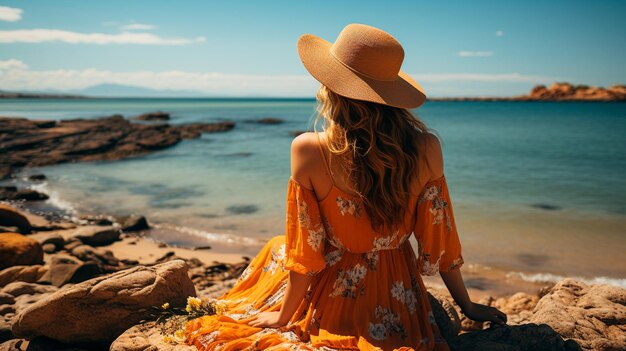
[{"x": 403, "y": 92}]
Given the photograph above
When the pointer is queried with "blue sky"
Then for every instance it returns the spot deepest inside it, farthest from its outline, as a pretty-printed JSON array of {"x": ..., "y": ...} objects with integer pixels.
[{"x": 248, "y": 48}]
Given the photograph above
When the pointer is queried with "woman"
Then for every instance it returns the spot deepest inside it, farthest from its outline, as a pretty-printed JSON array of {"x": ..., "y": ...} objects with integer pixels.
[{"x": 344, "y": 276}]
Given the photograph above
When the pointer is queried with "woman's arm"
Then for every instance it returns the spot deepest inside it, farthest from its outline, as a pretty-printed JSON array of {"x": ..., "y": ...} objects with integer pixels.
[
  {"x": 456, "y": 286},
  {"x": 297, "y": 286}
]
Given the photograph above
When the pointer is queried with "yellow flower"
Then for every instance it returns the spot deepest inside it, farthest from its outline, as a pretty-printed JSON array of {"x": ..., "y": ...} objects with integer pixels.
[
  {"x": 193, "y": 304},
  {"x": 165, "y": 305},
  {"x": 168, "y": 339},
  {"x": 220, "y": 307},
  {"x": 180, "y": 334}
]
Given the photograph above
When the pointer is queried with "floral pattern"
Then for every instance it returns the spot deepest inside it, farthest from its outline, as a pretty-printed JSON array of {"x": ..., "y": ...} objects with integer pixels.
[
  {"x": 316, "y": 232},
  {"x": 348, "y": 282},
  {"x": 389, "y": 324},
  {"x": 439, "y": 206},
  {"x": 347, "y": 206},
  {"x": 332, "y": 257},
  {"x": 278, "y": 258},
  {"x": 404, "y": 295}
]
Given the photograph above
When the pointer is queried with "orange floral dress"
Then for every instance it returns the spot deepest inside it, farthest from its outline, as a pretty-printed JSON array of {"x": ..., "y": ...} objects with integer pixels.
[{"x": 366, "y": 292}]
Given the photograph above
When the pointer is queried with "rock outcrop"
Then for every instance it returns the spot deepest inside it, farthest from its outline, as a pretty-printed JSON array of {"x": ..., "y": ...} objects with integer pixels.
[
  {"x": 557, "y": 92},
  {"x": 29, "y": 143},
  {"x": 100, "y": 309},
  {"x": 569, "y": 92},
  {"x": 594, "y": 316}
]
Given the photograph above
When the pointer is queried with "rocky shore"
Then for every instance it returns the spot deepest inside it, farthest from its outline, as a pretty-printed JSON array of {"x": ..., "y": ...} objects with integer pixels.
[
  {"x": 558, "y": 92},
  {"x": 94, "y": 282},
  {"x": 28, "y": 143},
  {"x": 91, "y": 285}
]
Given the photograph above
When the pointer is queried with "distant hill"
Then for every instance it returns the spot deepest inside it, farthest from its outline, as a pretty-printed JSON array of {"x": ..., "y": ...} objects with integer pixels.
[{"x": 119, "y": 90}]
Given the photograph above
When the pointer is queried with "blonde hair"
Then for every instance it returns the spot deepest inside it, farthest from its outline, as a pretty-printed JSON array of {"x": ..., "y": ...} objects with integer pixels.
[{"x": 384, "y": 143}]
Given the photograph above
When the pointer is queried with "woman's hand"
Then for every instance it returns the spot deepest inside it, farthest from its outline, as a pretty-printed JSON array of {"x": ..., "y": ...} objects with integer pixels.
[
  {"x": 484, "y": 313},
  {"x": 267, "y": 320}
]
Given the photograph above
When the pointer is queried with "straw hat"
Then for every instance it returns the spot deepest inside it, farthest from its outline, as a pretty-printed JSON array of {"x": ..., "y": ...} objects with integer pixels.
[{"x": 363, "y": 64}]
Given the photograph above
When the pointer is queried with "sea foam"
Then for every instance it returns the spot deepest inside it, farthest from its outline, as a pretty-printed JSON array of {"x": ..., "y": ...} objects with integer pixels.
[{"x": 554, "y": 278}]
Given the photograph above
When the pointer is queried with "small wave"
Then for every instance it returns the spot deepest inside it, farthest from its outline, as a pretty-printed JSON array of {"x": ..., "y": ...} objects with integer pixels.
[
  {"x": 554, "y": 278},
  {"x": 229, "y": 239},
  {"x": 54, "y": 198}
]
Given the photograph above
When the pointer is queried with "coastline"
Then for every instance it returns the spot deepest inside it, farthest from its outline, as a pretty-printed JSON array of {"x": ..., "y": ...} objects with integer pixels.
[
  {"x": 523, "y": 271},
  {"x": 81, "y": 248}
]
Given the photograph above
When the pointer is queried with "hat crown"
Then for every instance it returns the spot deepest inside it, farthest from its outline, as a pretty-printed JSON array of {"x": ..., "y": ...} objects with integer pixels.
[{"x": 369, "y": 51}]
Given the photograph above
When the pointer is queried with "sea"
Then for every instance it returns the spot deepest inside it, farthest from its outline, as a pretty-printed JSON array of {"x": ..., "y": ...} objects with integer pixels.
[{"x": 538, "y": 188}]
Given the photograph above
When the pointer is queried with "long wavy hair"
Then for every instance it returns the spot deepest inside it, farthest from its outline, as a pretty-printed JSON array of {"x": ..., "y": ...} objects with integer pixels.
[{"x": 380, "y": 145}]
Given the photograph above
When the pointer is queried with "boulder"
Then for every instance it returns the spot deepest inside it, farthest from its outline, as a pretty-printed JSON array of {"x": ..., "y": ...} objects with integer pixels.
[
  {"x": 99, "y": 255},
  {"x": 11, "y": 193},
  {"x": 66, "y": 269},
  {"x": 270, "y": 120},
  {"x": 29, "y": 274},
  {"x": 22, "y": 288},
  {"x": 133, "y": 223},
  {"x": 17, "y": 249},
  {"x": 97, "y": 235},
  {"x": 592, "y": 315},
  {"x": 100, "y": 309},
  {"x": 49, "y": 238},
  {"x": 11, "y": 217},
  {"x": 153, "y": 116}
]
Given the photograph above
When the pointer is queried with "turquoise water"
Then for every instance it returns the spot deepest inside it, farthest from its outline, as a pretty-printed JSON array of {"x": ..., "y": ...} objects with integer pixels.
[{"x": 502, "y": 160}]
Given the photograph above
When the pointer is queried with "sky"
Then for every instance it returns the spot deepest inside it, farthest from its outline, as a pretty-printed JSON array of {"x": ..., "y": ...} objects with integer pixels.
[{"x": 248, "y": 48}]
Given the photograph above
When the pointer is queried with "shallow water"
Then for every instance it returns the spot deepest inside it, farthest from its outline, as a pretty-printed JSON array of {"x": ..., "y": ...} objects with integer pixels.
[{"x": 537, "y": 188}]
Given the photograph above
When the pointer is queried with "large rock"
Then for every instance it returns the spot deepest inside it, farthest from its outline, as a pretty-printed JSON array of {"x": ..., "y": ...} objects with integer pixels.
[
  {"x": 594, "y": 316},
  {"x": 29, "y": 274},
  {"x": 22, "y": 288},
  {"x": 97, "y": 236},
  {"x": 17, "y": 249},
  {"x": 11, "y": 217},
  {"x": 68, "y": 269},
  {"x": 100, "y": 309}
]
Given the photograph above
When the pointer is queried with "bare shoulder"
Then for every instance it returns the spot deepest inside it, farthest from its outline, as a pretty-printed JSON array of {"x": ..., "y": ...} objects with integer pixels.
[
  {"x": 304, "y": 144},
  {"x": 305, "y": 157},
  {"x": 432, "y": 155}
]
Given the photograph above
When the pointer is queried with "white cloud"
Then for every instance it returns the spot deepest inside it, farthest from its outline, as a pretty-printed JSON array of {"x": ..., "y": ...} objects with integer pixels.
[
  {"x": 499, "y": 33},
  {"x": 12, "y": 64},
  {"x": 15, "y": 76},
  {"x": 56, "y": 35},
  {"x": 138, "y": 26},
  {"x": 475, "y": 53},
  {"x": 10, "y": 14}
]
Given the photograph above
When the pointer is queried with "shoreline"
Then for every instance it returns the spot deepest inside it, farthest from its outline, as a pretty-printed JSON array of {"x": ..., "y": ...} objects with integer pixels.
[
  {"x": 480, "y": 278},
  {"x": 481, "y": 281}
]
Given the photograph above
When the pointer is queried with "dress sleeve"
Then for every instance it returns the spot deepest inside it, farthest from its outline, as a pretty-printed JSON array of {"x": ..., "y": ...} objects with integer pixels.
[
  {"x": 305, "y": 236},
  {"x": 439, "y": 247}
]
